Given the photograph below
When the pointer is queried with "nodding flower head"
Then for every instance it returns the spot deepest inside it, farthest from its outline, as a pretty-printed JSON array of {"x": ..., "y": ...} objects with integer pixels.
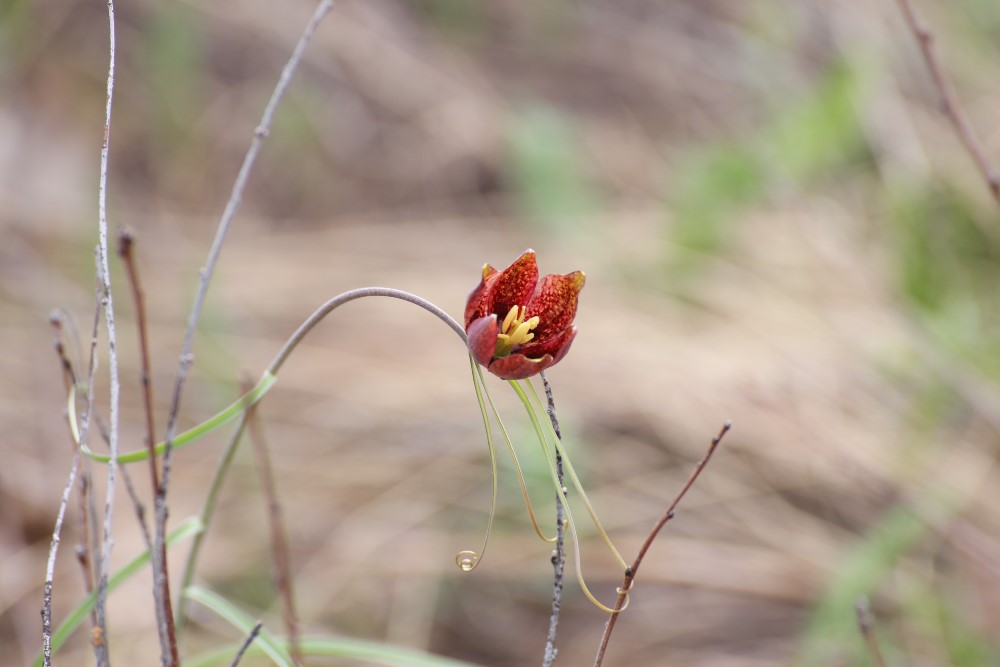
[{"x": 519, "y": 325}]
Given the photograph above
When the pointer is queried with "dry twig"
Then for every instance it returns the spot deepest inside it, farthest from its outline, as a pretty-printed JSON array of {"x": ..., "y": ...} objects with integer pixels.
[
  {"x": 100, "y": 640},
  {"x": 246, "y": 644},
  {"x": 279, "y": 539},
  {"x": 631, "y": 572},
  {"x": 866, "y": 624},
  {"x": 949, "y": 102},
  {"x": 187, "y": 356},
  {"x": 158, "y": 556},
  {"x": 83, "y": 549},
  {"x": 57, "y": 531},
  {"x": 559, "y": 555}
]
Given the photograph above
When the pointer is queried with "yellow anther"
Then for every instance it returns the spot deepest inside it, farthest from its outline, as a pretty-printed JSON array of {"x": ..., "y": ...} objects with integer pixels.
[
  {"x": 510, "y": 319},
  {"x": 514, "y": 330},
  {"x": 521, "y": 334}
]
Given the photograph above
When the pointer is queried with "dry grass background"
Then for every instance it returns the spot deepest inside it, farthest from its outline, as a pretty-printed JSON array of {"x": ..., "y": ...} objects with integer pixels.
[{"x": 422, "y": 139}]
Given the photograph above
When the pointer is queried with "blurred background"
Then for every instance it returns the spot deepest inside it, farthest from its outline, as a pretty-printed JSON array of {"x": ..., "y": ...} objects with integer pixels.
[{"x": 777, "y": 225}]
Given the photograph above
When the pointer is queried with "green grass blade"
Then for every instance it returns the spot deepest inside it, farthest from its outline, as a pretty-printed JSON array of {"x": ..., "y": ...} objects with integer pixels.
[
  {"x": 242, "y": 621},
  {"x": 339, "y": 647},
  {"x": 187, "y": 437},
  {"x": 188, "y": 528}
]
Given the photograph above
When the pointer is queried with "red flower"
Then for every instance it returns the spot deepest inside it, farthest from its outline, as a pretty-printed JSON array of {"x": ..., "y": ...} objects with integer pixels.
[{"x": 519, "y": 325}]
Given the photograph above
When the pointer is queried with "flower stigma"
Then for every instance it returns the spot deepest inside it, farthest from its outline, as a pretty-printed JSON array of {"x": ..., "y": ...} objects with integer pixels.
[{"x": 514, "y": 331}]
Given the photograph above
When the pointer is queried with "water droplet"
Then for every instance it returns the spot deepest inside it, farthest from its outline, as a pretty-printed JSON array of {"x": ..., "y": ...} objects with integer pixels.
[{"x": 467, "y": 560}]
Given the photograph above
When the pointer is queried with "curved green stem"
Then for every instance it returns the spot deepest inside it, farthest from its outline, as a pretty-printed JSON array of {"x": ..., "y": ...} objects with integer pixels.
[
  {"x": 239, "y": 411},
  {"x": 270, "y": 375}
]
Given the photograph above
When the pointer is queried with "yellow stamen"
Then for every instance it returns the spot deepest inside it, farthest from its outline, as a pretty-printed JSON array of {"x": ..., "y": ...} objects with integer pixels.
[
  {"x": 514, "y": 330},
  {"x": 507, "y": 321}
]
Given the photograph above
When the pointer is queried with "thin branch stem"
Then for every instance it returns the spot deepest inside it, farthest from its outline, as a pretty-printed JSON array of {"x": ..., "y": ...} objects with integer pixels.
[
  {"x": 246, "y": 644},
  {"x": 866, "y": 624},
  {"x": 51, "y": 564},
  {"x": 84, "y": 432},
  {"x": 667, "y": 515},
  {"x": 235, "y": 197},
  {"x": 158, "y": 556},
  {"x": 559, "y": 555},
  {"x": 100, "y": 640},
  {"x": 279, "y": 539},
  {"x": 84, "y": 547},
  {"x": 949, "y": 101}
]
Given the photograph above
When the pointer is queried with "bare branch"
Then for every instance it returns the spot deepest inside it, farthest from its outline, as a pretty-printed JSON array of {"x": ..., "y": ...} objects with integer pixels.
[
  {"x": 187, "y": 358},
  {"x": 631, "y": 572},
  {"x": 100, "y": 638},
  {"x": 83, "y": 549},
  {"x": 228, "y": 214},
  {"x": 51, "y": 564},
  {"x": 559, "y": 555},
  {"x": 158, "y": 552},
  {"x": 279, "y": 539},
  {"x": 949, "y": 102},
  {"x": 84, "y": 432},
  {"x": 866, "y": 624},
  {"x": 246, "y": 644}
]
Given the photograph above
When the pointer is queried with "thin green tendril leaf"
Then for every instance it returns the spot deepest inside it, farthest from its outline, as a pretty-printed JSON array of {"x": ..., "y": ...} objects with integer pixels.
[
  {"x": 468, "y": 560},
  {"x": 514, "y": 459},
  {"x": 186, "y": 529},
  {"x": 187, "y": 437},
  {"x": 540, "y": 433}
]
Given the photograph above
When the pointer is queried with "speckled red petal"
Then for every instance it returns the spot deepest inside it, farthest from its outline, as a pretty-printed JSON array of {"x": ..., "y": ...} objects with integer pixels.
[
  {"x": 518, "y": 366},
  {"x": 514, "y": 285},
  {"x": 482, "y": 339},
  {"x": 475, "y": 306},
  {"x": 554, "y": 301}
]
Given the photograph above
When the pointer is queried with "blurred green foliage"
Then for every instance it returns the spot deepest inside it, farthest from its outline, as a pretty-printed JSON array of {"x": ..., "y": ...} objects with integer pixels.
[
  {"x": 808, "y": 140},
  {"x": 832, "y": 631},
  {"x": 947, "y": 269},
  {"x": 175, "y": 66},
  {"x": 545, "y": 162},
  {"x": 16, "y": 29},
  {"x": 935, "y": 611}
]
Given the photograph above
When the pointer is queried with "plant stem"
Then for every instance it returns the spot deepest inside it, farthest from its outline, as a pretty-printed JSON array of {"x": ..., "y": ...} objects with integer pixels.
[
  {"x": 559, "y": 555},
  {"x": 631, "y": 572}
]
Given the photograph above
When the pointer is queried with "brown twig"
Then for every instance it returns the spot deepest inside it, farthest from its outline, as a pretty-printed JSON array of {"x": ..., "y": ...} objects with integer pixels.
[
  {"x": 866, "y": 624},
  {"x": 949, "y": 102},
  {"x": 158, "y": 556},
  {"x": 246, "y": 644},
  {"x": 279, "y": 538},
  {"x": 632, "y": 571},
  {"x": 559, "y": 555}
]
